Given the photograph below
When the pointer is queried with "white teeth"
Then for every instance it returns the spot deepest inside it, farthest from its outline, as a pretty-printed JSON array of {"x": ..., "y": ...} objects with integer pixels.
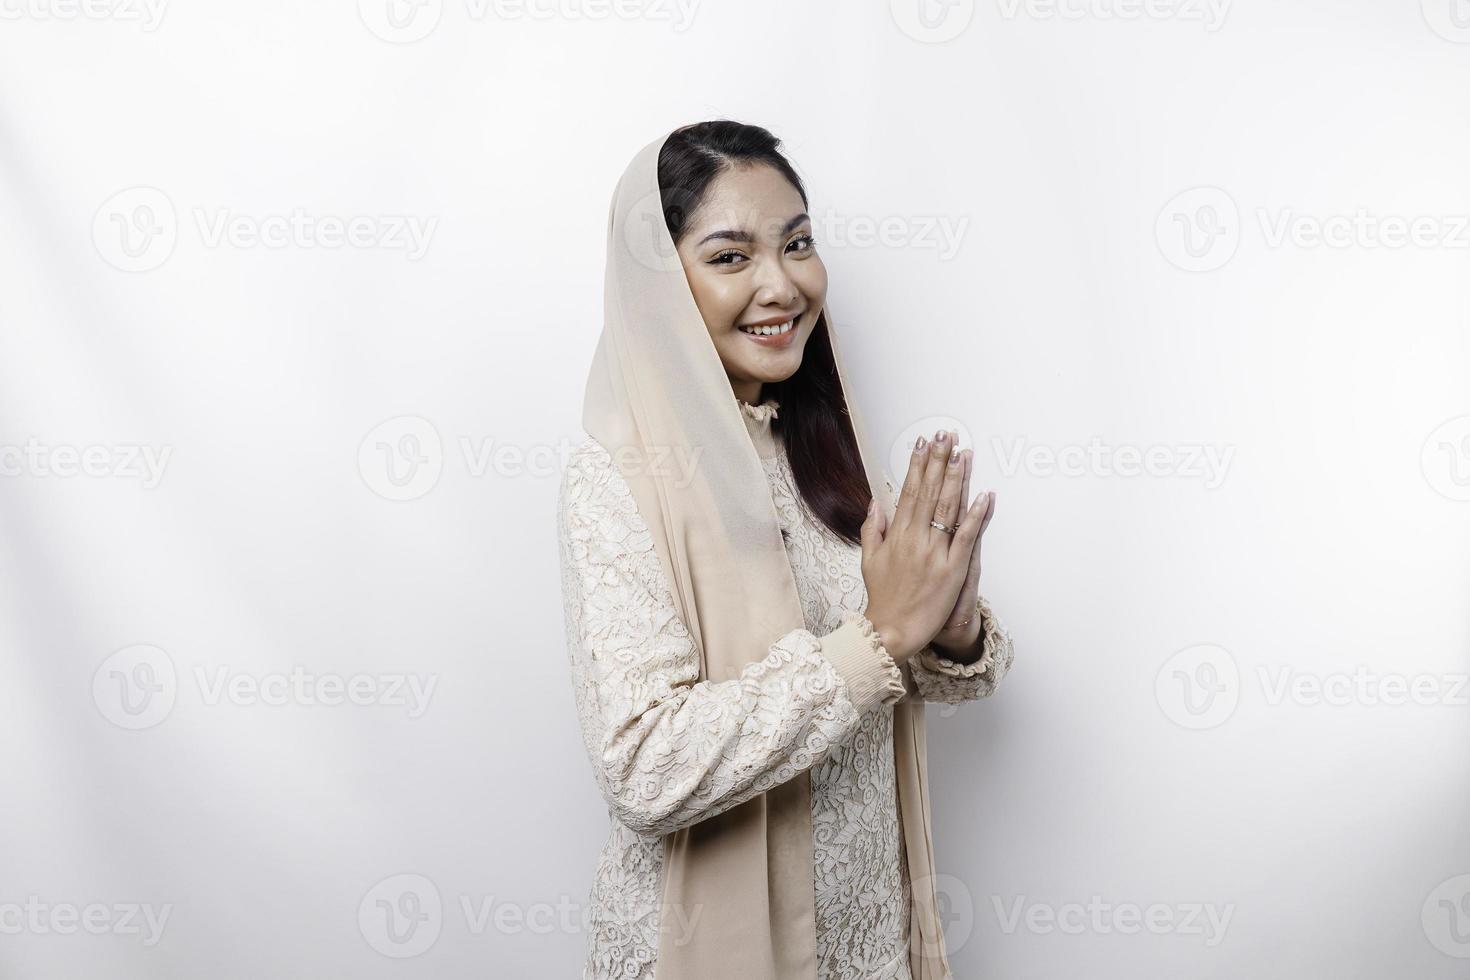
[{"x": 771, "y": 331}]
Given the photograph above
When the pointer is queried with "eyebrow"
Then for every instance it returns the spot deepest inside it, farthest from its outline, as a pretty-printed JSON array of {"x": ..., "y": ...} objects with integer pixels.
[{"x": 738, "y": 235}]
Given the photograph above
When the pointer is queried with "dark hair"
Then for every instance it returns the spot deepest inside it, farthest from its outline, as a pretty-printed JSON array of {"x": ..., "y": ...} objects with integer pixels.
[{"x": 813, "y": 421}]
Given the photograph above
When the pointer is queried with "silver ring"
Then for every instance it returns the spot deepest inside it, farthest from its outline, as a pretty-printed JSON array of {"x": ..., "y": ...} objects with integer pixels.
[{"x": 943, "y": 527}]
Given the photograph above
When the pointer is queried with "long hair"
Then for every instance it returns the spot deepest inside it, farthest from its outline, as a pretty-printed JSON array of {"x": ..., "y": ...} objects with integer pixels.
[{"x": 813, "y": 421}]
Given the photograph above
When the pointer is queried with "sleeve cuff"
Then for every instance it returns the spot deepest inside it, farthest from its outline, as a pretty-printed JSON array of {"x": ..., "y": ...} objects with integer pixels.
[
  {"x": 996, "y": 642},
  {"x": 857, "y": 651}
]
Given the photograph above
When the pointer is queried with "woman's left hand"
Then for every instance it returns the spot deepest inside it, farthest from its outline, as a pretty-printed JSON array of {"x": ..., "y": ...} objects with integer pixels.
[{"x": 962, "y": 629}]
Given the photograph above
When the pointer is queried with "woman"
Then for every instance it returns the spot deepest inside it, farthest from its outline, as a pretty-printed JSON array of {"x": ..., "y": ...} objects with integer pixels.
[{"x": 753, "y": 626}]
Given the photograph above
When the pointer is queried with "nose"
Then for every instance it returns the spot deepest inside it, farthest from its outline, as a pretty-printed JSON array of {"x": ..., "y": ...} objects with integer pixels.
[{"x": 774, "y": 287}]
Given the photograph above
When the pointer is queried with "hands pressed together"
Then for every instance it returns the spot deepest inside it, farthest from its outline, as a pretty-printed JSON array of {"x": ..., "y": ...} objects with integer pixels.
[{"x": 922, "y": 581}]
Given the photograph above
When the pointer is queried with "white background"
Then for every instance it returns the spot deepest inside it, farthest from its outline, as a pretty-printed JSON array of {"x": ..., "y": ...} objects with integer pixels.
[{"x": 1132, "y": 193}]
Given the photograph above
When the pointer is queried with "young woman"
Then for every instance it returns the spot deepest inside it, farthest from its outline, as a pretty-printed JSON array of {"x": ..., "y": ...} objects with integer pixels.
[{"x": 753, "y": 625}]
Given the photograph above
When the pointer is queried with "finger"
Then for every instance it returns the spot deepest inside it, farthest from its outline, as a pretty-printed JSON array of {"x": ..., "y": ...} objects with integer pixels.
[
  {"x": 947, "y": 511},
  {"x": 912, "y": 481},
  {"x": 870, "y": 533},
  {"x": 970, "y": 588},
  {"x": 973, "y": 577},
  {"x": 969, "y": 455},
  {"x": 934, "y": 468},
  {"x": 970, "y": 527},
  {"x": 989, "y": 510},
  {"x": 965, "y": 604}
]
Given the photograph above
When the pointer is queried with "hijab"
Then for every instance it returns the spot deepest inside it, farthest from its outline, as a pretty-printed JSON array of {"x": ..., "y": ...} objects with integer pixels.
[{"x": 738, "y": 897}]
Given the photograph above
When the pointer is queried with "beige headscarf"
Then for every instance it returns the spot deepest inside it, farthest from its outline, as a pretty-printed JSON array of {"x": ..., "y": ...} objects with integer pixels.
[{"x": 659, "y": 401}]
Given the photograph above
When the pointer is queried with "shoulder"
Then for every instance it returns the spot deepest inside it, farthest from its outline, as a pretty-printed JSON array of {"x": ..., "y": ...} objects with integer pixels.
[
  {"x": 594, "y": 494},
  {"x": 600, "y": 526},
  {"x": 588, "y": 462}
]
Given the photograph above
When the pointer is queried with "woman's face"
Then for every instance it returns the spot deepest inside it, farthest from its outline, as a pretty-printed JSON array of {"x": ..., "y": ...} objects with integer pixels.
[{"x": 750, "y": 259}]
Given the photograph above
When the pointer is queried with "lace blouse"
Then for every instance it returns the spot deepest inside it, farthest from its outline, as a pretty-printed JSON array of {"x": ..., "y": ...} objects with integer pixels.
[{"x": 668, "y": 750}]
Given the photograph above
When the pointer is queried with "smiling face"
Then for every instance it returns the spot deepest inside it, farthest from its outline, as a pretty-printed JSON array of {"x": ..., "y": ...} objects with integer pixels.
[{"x": 752, "y": 266}]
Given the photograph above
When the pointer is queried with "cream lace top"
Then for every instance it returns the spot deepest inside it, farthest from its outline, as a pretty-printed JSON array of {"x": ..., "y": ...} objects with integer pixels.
[{"x": 668, "y": 750}]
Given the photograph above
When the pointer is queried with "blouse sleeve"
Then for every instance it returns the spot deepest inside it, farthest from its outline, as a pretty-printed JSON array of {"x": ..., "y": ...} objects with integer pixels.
[
  {"x": 667, "y": 749},
  {"x": 937, "y": 678}
]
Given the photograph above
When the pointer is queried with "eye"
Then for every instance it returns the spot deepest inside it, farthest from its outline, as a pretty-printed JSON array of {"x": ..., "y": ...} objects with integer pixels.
[
  {"x": 807, "y": 240},
  {"x": 730, "y": 253}
]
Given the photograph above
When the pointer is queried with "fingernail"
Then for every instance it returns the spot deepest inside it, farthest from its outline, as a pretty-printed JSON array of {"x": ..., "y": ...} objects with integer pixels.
[
  {"x": 938, "y": 435},
  {"x": 954, "y": 456},
  {"x": 919, "y": 444}
]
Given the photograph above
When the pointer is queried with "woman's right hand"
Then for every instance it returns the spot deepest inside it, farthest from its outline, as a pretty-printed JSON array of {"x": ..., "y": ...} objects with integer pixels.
[{"x": 913, "y": 571}]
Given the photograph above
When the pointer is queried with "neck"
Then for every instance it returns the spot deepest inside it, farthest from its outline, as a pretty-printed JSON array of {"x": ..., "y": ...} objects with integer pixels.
[{"x": 748, "y": 391}]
